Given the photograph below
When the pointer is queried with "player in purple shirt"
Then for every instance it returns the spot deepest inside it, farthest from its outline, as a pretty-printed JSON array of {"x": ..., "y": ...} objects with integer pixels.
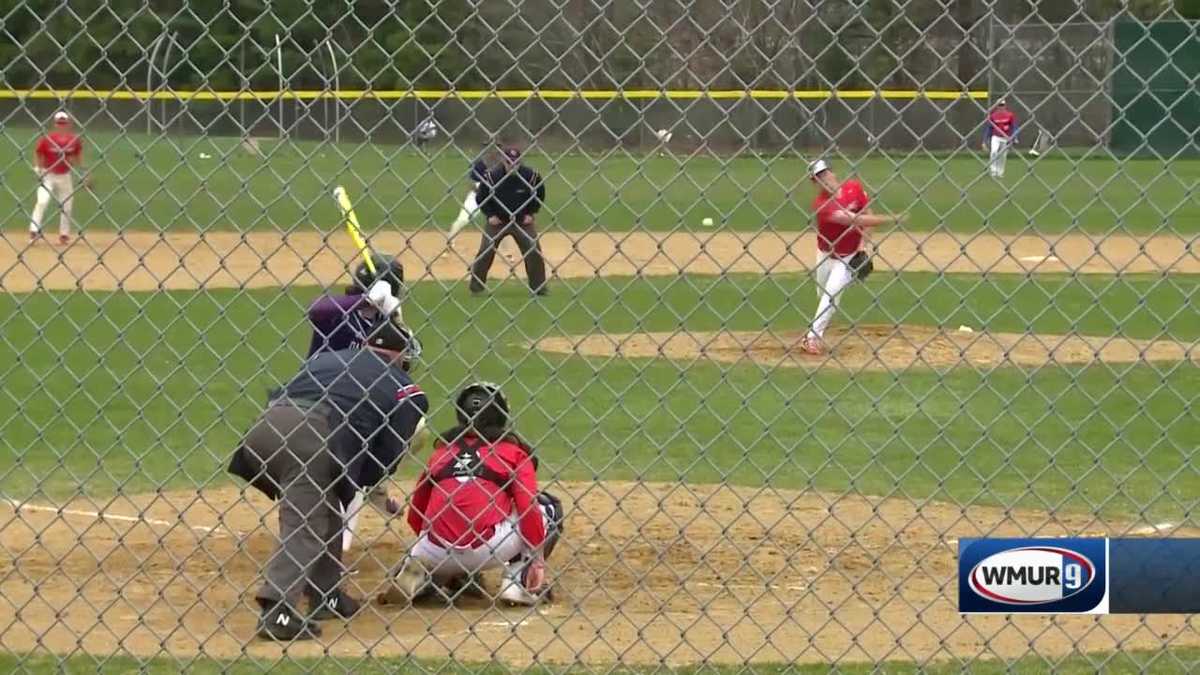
[{"x": 343, "y": 321}]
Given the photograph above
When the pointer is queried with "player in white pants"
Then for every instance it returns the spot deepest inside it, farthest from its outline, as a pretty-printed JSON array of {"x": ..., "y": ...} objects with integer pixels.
[
  {"x": 56, "y": 155},
  {"x": 1000, "y": 133},
  {"x": 842, "y": 220},
  {"x": 833, "y": 275},
  {"x": 470, "y": 207},
  {"x": 998, "y": 155}
]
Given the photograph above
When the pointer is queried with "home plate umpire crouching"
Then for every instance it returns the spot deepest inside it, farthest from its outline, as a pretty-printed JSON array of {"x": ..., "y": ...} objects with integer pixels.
[{"x": 341, "y": 425}]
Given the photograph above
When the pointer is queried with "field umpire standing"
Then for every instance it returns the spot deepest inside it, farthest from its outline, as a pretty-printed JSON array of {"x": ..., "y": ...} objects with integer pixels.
[
  {"x": 510, "y": 198},
  {"x": 339, "y": 426}
]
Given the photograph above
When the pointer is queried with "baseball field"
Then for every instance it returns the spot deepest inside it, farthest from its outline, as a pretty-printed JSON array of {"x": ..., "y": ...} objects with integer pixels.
[{"x": 1022, "y": 362}]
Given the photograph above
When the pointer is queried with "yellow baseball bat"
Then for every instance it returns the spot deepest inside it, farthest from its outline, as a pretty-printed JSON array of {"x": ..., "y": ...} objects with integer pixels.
[{"x": 343, "y": 200}]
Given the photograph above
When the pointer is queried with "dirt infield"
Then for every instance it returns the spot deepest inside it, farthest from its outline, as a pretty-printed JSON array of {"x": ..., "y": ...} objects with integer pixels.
[
  {"x": 877, "y": 347},
  {"x": 138, "y": 261},
  {"x": 648, "y": 573}
]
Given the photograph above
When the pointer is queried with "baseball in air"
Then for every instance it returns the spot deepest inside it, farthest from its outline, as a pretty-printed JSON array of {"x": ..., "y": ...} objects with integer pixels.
[
  {"x": 707, "y": 222},
  {"x": 663, "y": 135}
]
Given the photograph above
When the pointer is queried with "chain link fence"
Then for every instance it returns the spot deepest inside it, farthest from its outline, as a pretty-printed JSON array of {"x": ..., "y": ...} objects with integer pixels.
[{"x": 763, "y": 462}]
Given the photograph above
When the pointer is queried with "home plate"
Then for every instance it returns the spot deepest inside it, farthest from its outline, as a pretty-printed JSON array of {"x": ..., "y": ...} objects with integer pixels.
[{"x": 1039, "y": 258}]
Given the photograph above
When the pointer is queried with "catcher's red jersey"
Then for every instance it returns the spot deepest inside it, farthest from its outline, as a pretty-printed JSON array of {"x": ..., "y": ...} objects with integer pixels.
[{"x": 461, "y": 497}]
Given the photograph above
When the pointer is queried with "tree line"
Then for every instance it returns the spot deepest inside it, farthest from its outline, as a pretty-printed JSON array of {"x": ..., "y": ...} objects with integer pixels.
[{"x": 550, "y": 44}]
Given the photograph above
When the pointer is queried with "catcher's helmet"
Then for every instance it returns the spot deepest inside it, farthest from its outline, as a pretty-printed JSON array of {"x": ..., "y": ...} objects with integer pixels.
[
  {"x": 386, "y": 269},
  {"x": 482, "y": 405}
]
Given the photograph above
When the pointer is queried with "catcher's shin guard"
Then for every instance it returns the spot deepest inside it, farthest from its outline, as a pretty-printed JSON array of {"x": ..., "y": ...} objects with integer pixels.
[{"x": 555, "y": 517}]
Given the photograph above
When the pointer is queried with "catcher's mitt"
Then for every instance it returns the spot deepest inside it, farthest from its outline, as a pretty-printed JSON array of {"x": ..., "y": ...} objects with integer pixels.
[{"x": 861, "y": 265}]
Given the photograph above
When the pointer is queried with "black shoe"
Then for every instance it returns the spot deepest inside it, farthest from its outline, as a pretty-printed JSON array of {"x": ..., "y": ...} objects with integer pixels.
[
  {"x": 543, "y": 291},
  {"x": 337, "y": 605},
  {"x": 281, "y": 624},
  {"x": 477, "y": 290}
]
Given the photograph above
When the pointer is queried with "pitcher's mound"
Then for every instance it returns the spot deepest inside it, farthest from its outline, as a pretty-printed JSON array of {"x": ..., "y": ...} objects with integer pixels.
[{"x": 877, "y": 347}]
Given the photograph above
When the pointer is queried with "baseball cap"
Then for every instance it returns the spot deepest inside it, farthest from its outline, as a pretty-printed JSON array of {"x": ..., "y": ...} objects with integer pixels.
[
  {"x": 1002, "y": 102},
  {"x": 61, "y": 117},
  {"x": 815, "y": 168},
  {"x": 387, "y": 335}
]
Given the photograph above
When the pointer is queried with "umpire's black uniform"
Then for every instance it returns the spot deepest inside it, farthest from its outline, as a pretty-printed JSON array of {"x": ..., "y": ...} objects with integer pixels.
[
  {"x": 510, "y": 196},
  {"x": 339, "y": 426}
]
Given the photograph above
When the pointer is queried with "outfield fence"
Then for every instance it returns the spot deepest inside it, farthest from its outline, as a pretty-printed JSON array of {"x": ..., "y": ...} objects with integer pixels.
[
  {"x": 727, "y": 121},
  {"x": 740, "y": 493}
]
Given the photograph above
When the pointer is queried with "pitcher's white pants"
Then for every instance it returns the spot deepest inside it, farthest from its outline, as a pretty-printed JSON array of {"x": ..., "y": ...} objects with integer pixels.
[
  {"x": 56, "y": 186},
  {"x": 999, "y": 154},
  {"x": 833, "y": 276},
  {"x": 468, "y": 210}
]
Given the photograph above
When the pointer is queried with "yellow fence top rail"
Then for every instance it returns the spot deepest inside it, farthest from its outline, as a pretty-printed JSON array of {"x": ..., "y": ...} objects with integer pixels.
[{"x": 435, "y": 94}]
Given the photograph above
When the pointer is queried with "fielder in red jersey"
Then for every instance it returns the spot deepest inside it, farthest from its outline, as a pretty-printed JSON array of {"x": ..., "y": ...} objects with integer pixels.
[
  {"x": 999, "y": 133},
  {"x": 477, "y": 506},
  {"x": 843, "y": 217},
  {"x": 54, "y": 157}
]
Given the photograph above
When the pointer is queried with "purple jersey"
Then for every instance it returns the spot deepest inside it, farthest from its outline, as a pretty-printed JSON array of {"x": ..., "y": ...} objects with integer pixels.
[{"x": 337, "y": 323}]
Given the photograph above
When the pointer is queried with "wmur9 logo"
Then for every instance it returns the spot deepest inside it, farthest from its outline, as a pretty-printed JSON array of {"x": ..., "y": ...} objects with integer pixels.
[{"x": 1032, "y": 575}]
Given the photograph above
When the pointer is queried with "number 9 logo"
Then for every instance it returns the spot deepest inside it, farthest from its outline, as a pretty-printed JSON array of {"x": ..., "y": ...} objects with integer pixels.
[{"x": 1072, "y": 576}]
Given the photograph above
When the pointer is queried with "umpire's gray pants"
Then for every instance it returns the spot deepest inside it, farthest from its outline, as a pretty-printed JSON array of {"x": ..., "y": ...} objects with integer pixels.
[
  {"x": 531, "y": 252},
  {"x": 290, "y": 446}
]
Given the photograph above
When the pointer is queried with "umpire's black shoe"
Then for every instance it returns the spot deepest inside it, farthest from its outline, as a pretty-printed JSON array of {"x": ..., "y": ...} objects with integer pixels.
[
  {"x": 281, "y": 624},
  {"x": 337, "y": 605}
]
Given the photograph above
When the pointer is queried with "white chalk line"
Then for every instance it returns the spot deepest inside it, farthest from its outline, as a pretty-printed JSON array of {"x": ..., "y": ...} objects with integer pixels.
[
  {"x": 507, "y": 625},
  {"x": 503, "y": 624},
  {"x": 750, "y": 587},
  {"x": 18, "y": 505}
]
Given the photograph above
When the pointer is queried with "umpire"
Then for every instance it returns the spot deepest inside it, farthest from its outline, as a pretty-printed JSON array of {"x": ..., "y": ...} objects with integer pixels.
[
  {"x": 510, "y": 197},
  {"x": 339, "y": 426}
]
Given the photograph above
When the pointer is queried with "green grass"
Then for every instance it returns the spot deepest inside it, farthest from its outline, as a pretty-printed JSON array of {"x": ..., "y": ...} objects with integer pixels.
[
  {"x": 108, "y": 391},
  {"x": 1166, "y": 661},
  {"x": 160, "y": 182}
]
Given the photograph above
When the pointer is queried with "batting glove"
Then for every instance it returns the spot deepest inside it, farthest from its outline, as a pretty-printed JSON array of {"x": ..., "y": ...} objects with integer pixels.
[{"x": 380, "y": 296}]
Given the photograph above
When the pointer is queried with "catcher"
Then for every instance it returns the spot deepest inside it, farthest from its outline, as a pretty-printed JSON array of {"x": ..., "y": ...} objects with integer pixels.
[
  {"x": 843, "y": 217},
  {"x": 477, "y": 506}
]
